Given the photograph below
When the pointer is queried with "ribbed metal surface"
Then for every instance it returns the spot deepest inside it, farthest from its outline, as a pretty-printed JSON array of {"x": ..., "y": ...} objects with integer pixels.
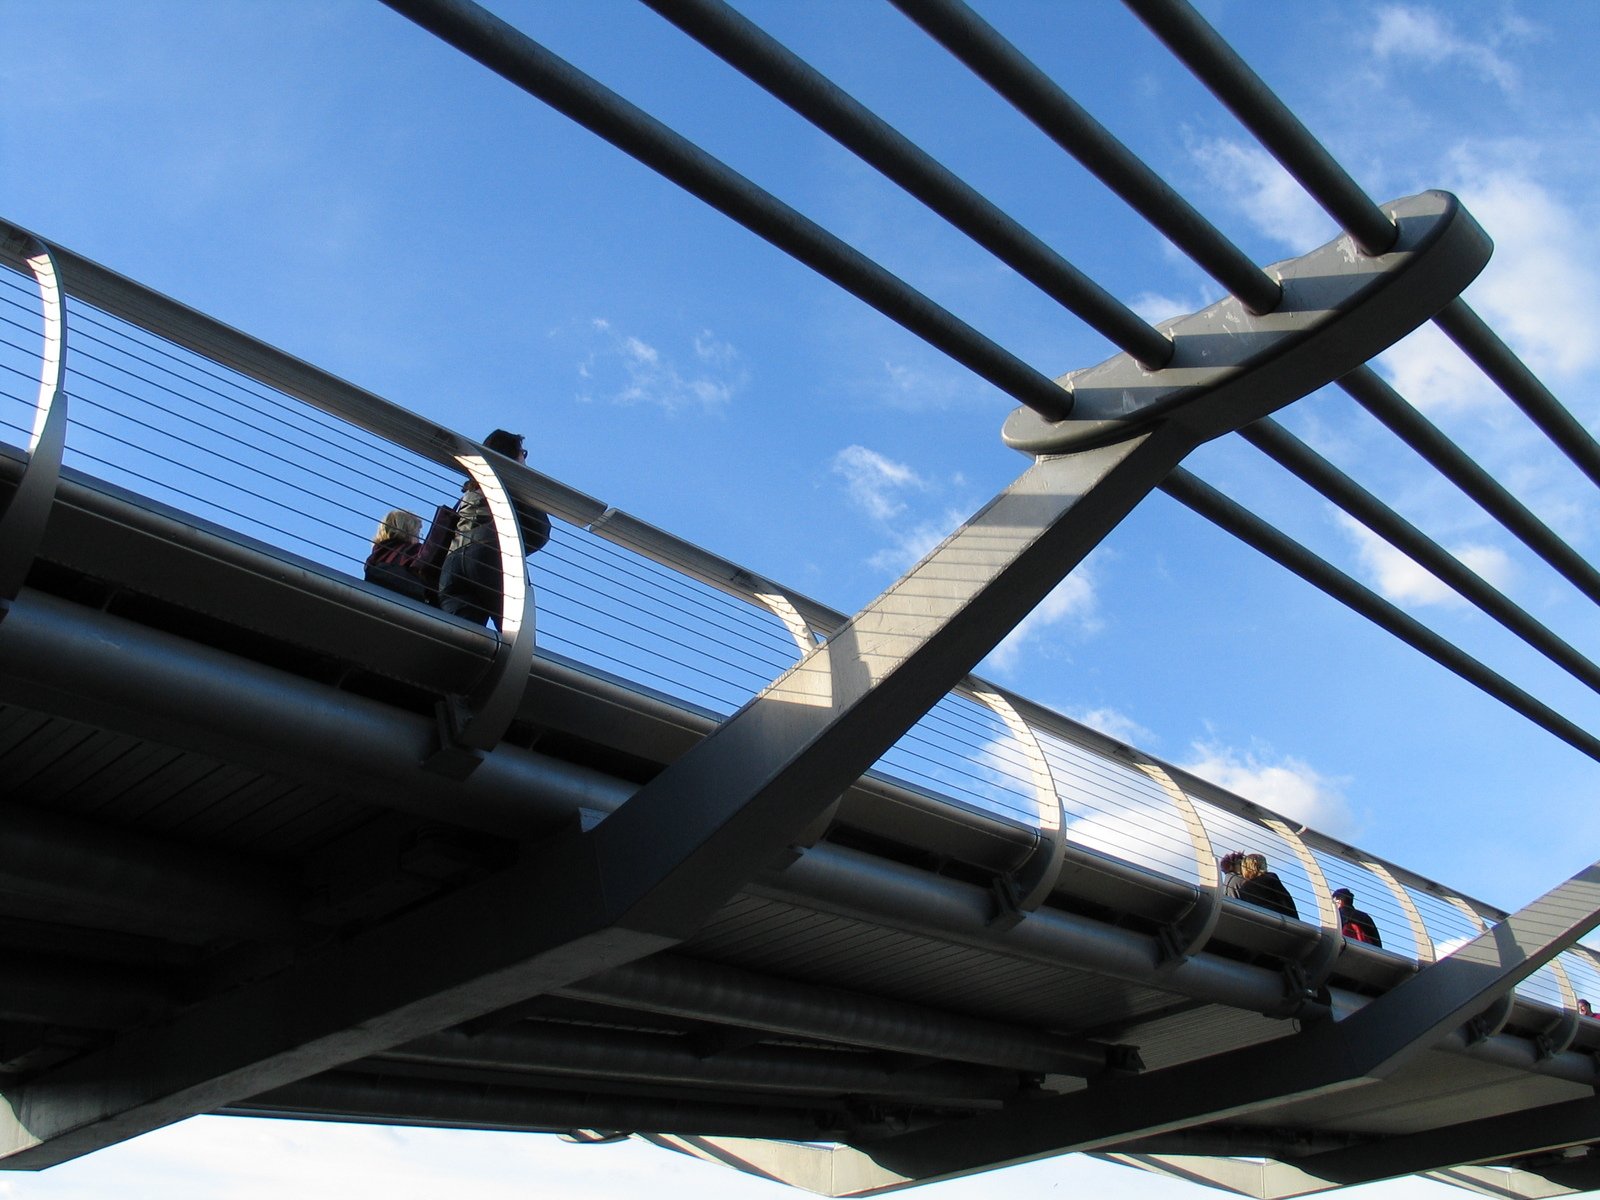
[
  {"x": 820, "y": 947},
  {"x": 128, "y": 782}
]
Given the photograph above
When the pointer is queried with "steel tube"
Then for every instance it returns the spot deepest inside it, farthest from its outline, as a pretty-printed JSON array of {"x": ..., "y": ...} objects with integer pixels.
[
  {"x": 773, "y": 66},
  {"x": 1254, "y": 532},
  {"x": 1219, "y": 66},
  {"x": 1300, "y": 460},
  {"x": 1036, "y": 96},
  {"x": 1389, "y": 407},
  {"x": 1497, "y": 360},
  {"x": 626, "y": 1057},
  {"x": 347, "y": 1096},
  {"x": 521, "y": 61},
  {"x": 674, "y": 985}
]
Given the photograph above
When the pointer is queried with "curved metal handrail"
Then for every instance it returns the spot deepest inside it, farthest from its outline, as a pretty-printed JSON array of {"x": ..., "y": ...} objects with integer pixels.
[
  {"x": 479, "y": 720},
  {"x": 22, "y": 525}
]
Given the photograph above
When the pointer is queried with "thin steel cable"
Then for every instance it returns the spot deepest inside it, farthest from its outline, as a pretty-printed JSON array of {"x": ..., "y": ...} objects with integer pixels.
[
  {"x": 1218, "y": 65},
  {"x": 90, "y": 399},
  {"x": 974, "y": 42},
  {"x": 1497, "y": 360},
  {"x": 341, "y": 461},
  {"x": 235, "y": 439},
  {"x": 1250, "y": 529},
  {"x": 1306, "y": 464},
  {"x": 522, "y": 61},
  {"x": 694, "y": 623},
  {"x": 1369, "y": 390},
  {"x": 771, "y": 65}
]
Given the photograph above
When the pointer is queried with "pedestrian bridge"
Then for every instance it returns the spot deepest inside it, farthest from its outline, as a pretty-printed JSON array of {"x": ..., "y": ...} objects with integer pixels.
[{"x": 279, "y": 843}]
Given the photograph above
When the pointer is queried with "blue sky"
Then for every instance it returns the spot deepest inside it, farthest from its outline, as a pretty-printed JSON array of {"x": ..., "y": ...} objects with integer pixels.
[{"x": 331, "y": 179}]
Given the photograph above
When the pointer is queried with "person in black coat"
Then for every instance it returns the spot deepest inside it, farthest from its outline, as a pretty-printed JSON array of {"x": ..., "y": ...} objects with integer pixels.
[
  {"x": 1264, "y": 889},
  {"x": 1354, "y": 923}
]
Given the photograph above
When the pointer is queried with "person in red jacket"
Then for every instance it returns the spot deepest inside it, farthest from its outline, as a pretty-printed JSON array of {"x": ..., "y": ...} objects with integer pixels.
[{"x": 1353, "y": 923}]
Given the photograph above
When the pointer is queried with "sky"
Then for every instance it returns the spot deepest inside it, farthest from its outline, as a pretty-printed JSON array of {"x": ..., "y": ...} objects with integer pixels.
[{"x": 331, "y": 179}]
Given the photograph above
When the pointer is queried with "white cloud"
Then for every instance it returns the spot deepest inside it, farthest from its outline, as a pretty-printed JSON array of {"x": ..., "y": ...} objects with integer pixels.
[
  {"x": 1113, "y": 724},
  {"x": 1541, "y": 290},
  {"x": 1422, "y": 35},
  {"x": 1286, "y": 785},
  {"x": 1264, "y": 193},
  {"x": 875, "y": 483},
  {"x": 909, "y": 544},
  {"x": 623, "y": 368},
  {"x": 1401, "y": 579},
  {"x": 1070, "y": 602},
  {"x": 1427, "y": 369},
  {"x": 1155, "y": 307}
]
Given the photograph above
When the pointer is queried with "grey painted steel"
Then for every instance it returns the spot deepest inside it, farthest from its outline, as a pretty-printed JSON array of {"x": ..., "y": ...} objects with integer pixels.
[
  {"x": 1384, "y": 403},
  {"x": 650, "y": 873},
  {"x": 137, "y": 882},
  {"x": 1419, "y": 928},
  {"x": 674, "y": 986},
  {"x": 22, "y": 524},
  {"x": 969, "y": 38},
  {"x": 383, "y": 1099},
  {"x": 1231, "y": 80},
  {"x": 560, "y": 1052},
  {"x": 1253, "y": 531},
  {"x": 204, "y": 335},
  {"x": 523, "y": 62},
  {"x": 1295, "y": 456},
  {"x": 1326, "y": 1057},
  {"x": 1337, "y": 305},
  {"x": 771, "y": 65},
  {"x": 1496, "y": 360},
  {"x": 1190, "y": 932},
  {"x": 1030, "y": 883}
]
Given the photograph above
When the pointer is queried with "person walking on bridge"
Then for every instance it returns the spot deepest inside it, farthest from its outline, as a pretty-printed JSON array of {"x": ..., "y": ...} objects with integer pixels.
[{"x": 1353, "y": 923}]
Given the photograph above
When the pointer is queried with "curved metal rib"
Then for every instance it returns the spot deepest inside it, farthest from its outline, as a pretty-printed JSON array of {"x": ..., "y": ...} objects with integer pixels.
[
  {"x": 480, "y": 720},
  {"x": 22, "y": 525}
]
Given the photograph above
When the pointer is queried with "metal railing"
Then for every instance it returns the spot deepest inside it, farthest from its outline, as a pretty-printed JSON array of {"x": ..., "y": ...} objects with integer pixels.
[{"x": 204, "y": 420}]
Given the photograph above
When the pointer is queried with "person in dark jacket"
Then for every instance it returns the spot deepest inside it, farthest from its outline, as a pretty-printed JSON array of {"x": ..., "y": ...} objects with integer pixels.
[
  {"x": 395, "y": 561},
  {"x": 469, "y": 585},
  {"x": 1232, "y": 879},
  {"x": 1264, "y": 889},
  {"x": 1354, "y": 923}
]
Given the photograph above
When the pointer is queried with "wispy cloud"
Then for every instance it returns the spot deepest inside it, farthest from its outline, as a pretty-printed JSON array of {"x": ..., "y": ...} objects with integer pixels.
[
  {"x": 1287, "y": 785},
  {"x": 1404, "y": 580},
  {"x": 1072, "y": 604},
  {"x": 1264, "y": 193},
  {"x": 623, "y": 368},
  {"x": 1405, "y": 32},
  {"x": 876, "y": 484},
  {"x": 1114, "y": 724},
  {"x": 1542, "y": 288}
]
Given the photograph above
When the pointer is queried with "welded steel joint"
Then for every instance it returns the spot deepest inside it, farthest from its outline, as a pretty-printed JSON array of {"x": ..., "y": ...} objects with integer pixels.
[
  {"x": 1340, "y": 307},
  {"x": 22, "y": 524}
]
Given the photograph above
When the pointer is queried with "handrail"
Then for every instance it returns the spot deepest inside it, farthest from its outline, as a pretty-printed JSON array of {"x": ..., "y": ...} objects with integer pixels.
[{"x": 802, "y": 616}]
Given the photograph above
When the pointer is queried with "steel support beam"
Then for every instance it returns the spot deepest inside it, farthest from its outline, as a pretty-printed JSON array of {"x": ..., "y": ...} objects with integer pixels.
[{"x": 1332, "y": 1056}]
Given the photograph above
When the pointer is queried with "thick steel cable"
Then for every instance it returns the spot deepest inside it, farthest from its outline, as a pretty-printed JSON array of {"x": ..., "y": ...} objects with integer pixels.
[
  {"x": 522, "y": 61},
  {"x": 1300, "y": 460},
  {"x": 972, "y": 41},
  {"x": 1388, "y": 406},
  {"x": 771, "y": 65},
  {"x": 1253, "y": 531},
  {"x": 1497, "y": 360},
  {"x": 1218, "y": 65}
]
